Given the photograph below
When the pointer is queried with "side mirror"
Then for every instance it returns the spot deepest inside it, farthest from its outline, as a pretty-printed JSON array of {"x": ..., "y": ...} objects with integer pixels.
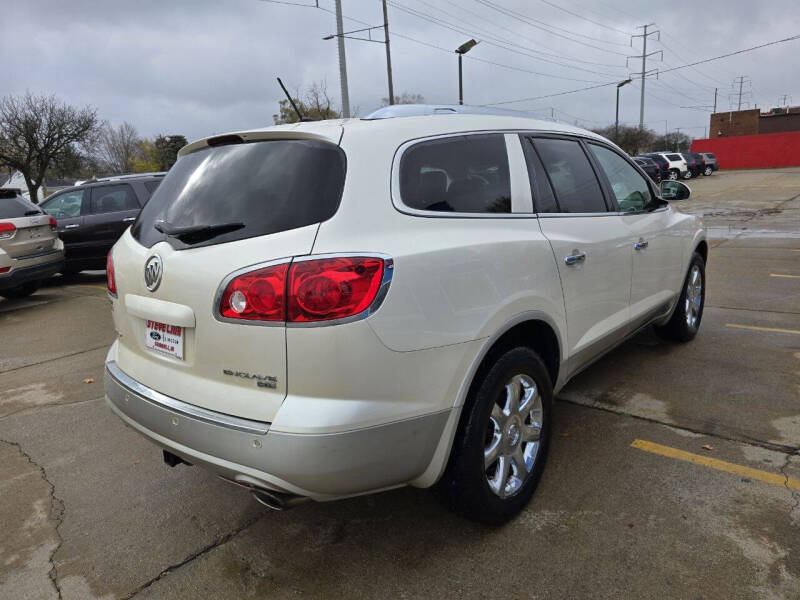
[{"x": 675, "y": 190}]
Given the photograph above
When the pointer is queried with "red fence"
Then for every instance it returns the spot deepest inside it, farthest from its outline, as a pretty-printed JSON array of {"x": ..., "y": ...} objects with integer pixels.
[{"x": 753, "y": 151}]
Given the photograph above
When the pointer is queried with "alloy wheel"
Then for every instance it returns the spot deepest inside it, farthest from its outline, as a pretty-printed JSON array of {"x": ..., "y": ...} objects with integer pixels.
[
  {"x": 513, "y": 436},
  {"x": 694, "y": 297}
]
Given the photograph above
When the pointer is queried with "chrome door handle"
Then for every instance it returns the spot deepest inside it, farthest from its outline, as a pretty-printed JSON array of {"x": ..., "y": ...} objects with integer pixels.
[
  {"x": 129, "y": 219},
  {"x": 641, "y": 244},
  {"x": 576, "y": 257},
  {"x": 73, "y": 226}
]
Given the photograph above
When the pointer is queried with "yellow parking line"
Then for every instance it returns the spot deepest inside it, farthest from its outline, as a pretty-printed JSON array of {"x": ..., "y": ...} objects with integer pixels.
[
  {"x": 756, "y": 328},
  {"x": 786, "y": 276},
  {"x": 719, "y": 465}
]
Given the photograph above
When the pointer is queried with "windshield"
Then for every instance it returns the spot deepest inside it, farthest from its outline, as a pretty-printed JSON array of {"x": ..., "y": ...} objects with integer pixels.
[{"x": 266, "y": 187}]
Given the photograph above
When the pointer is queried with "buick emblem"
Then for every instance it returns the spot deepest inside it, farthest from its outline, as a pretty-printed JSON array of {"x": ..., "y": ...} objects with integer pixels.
[{"x": 152, "y": 272}]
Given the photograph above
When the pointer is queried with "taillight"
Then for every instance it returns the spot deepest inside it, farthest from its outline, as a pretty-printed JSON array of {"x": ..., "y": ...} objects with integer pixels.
[
  {"x": 111, "y": 282},
  {"x": 333, "y": 288},
  {"x": 53, "y": 223},
  {"x": 7, "y": 230},
  {"x": 304, "y": 291},
  {"x": 258, "y": 295}
]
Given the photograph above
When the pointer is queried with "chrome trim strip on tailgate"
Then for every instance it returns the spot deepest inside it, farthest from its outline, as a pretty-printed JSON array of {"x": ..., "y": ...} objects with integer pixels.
[
  {"x": 37, "y": 254},
  {"x": 190, "y": 410}
]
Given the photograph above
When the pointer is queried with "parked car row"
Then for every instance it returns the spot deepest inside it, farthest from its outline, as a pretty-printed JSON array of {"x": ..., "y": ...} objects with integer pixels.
[{"x": 678, "y": 165}]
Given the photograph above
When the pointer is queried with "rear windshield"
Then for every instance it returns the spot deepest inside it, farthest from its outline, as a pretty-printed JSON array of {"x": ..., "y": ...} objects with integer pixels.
[
  {"x": 257, "y": 188},
  {"x": 16, "y": 207},
  {"x": 709, "y": 155},
  {"x": 674, "y": 156}
]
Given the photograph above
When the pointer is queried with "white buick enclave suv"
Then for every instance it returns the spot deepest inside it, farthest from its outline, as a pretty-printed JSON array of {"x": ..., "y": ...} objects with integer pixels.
[{"x": 327, "y": 309}]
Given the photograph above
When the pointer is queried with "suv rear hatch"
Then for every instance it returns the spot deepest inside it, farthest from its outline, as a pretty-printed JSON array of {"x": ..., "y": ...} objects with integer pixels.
[
  {"x": 222, "y": 208},
  {"x": 25, "y": 230}
]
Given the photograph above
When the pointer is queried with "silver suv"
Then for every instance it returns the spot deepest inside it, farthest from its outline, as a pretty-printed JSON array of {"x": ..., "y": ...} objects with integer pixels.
[{"x": 30, "y": 250}]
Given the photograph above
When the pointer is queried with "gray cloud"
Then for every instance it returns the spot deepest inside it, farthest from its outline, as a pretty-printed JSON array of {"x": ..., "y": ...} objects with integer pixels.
[{"x": 202, "y": 67}]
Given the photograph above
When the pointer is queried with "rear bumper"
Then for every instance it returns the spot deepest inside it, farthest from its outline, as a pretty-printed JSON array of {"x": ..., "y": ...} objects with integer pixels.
[
  {"x": 20, "y": 275},
  {"x": 323, "y": 467}
]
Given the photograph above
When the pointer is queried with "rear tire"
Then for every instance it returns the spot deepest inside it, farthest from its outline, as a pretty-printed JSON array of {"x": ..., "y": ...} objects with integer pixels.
[
  {"x": 708, "y": 171},
  {"x": 687, "y": 175},
  {"x": 674, "y": 174},
  {"x": 501, "y": 444},
  {"x": 22, "y": 291},
  {"x": 685, "y": 321}
]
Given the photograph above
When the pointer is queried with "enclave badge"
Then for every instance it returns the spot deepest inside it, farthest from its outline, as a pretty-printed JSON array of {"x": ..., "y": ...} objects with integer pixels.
[
  {"x": 152, "y": 272},
  {"x": 262, "y": 381}
]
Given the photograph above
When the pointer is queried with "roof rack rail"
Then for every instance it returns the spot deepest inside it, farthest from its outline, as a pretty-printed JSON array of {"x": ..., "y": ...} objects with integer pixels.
[
  {"x": 127, "y": 176},
  {"x": 418, "y": 110}
]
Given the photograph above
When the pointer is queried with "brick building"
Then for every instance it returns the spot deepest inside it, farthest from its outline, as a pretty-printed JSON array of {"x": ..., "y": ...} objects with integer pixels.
[{"x": 750, "y": 139}]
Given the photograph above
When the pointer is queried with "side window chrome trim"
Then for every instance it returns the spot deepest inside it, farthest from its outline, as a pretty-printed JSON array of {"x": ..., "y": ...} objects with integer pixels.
[{"x": 400, "y": 206}]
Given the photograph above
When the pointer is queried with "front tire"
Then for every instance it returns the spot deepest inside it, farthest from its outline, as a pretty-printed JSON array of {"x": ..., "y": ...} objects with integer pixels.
[
  {"x": 501, "y": 444},
  {"x": 674, "y": 174},
  {"x": 685, "y": 321},
  {"x": 22, "y": 291}
]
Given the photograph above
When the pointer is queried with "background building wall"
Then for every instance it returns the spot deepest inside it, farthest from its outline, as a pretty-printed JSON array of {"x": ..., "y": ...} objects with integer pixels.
[{"x": 753, "y": 151}]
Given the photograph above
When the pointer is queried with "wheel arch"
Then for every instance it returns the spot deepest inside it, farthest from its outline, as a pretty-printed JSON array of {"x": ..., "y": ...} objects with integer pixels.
[
  {"x": 534, "y": 329},
  {"x": 702, "y": 250}
]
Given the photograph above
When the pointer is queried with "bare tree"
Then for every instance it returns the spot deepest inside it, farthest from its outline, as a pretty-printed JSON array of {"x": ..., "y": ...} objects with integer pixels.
[
  {"x": 35, "y": 131},
  {"x": 117, "y": 147},
  {"x": 315, "y": 104},
  {"x": 405, "y": 98},
  {"x": 631, "y": 139}
]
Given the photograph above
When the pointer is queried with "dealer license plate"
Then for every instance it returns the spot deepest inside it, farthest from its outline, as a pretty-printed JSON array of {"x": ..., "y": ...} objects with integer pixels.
[{"x": 164, "y": 338}]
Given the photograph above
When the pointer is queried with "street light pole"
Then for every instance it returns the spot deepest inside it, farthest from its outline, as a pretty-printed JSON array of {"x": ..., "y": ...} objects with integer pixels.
[
  {"x": 461, "y": 51},
  {"x": 388, "y": 53},
  {"x": 342, "y": 61},
  {"x": 616, "y": 118}
]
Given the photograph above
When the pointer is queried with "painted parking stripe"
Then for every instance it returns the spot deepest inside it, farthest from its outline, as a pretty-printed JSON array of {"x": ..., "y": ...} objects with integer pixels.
[
  {"x": 756, "y": 328},
  {"x": 719, "y": 465},
  {"x": 786, "y": 276}
]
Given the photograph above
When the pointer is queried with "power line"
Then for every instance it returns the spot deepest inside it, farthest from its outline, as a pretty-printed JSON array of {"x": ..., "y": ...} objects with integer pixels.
[
  {"x": 490, "y": 39},
  {"x": 554, "y": 5},
  {"x": 583, "y": 89},
  {"x": 530, "y": 21},
  {"x": 707, "y": 60}
]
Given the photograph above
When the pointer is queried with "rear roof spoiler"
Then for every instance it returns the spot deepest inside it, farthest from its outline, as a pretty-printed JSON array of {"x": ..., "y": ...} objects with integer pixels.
[{"x": 331, "y": 134}]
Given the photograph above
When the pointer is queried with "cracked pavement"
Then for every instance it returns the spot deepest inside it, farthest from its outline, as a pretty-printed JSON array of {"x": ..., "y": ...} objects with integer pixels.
[{"x": 89, "y": 510}]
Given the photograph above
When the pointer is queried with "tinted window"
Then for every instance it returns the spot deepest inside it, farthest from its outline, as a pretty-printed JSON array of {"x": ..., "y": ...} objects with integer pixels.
[
  {"x": 113, "y": 198},
  {"x": 674, "y": 156},
  {"x": 66, "y": 205},
  {"x": 572, "y": 177},
  {"x": 709, "y": 155},
  {"x": 266, "y": 186},
  {"x": 543, "y": 198},
  {"x": 457, "y": 174},
  {"x": 14, "y": 207},
  {"x": 151, "y": 186},
  {"x": 630, "y": 188}
]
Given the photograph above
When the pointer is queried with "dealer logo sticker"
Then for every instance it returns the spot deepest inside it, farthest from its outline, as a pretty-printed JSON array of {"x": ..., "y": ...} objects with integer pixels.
[{"x": 153, "y": 270}]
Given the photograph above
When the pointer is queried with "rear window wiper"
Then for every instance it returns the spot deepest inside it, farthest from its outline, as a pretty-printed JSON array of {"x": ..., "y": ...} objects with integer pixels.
[{"x": 191, "y": 234}]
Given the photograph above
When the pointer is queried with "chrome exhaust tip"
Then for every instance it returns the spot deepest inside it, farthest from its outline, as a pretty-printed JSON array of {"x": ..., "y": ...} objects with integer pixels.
[{"x": 278, "y": 500}]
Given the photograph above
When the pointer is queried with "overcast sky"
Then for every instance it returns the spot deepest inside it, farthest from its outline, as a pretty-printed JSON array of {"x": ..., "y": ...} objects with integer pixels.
[{"x": 201, "y": 67}]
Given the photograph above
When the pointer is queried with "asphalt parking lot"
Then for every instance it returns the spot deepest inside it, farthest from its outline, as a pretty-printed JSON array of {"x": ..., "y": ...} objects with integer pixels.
[{"x": 674, "y": 469}]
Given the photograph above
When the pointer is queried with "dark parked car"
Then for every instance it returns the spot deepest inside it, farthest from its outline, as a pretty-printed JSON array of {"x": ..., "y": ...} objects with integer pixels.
[
  {"x": 710, "y": 162},
  {"x": 695, "y": 166},
  {"x": 650, "y": 167},
  {"x": 661, "y": 162},
  {"x": 92, "y": 216}
]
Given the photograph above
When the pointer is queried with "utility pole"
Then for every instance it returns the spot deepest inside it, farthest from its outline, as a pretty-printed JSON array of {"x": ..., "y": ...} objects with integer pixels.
[
  {"x": 644, "y": 57},
  {"x": 741, "y": 82},
  {"x": 388, "y": 53},
  {"x": 342, "y": 61},
  {"x": 715, "y": 100}
]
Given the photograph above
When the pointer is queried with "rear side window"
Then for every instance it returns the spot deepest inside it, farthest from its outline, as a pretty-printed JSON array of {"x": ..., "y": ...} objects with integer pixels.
[
  {"x": 674, "y": 157},
  {"x": 258, "y": 188},
  {"x": 16, "y": 207},
  {"x": 463, "y": 174},
  {"x": 152, "y": 186},
  {"x": 67, "y": 205},
  {"x": 113, "y": 198},
  {"x": 571, "y": 175}
]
